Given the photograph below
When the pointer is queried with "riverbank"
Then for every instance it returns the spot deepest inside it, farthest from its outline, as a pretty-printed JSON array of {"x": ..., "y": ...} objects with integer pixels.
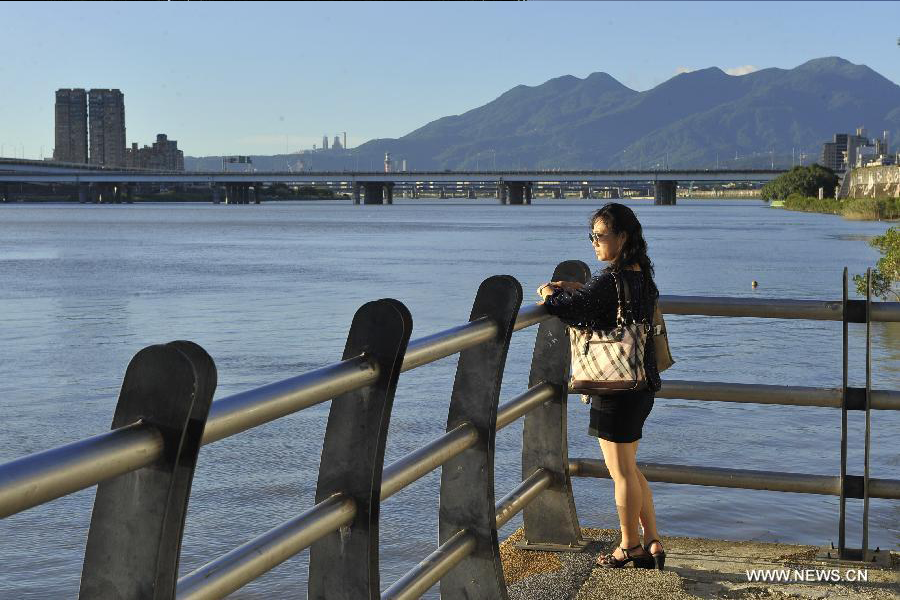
[
  {"x": 269, "y": 194},
  {"x": 856, "y": 209},
  {"x": 695, "y": 568},
  {"x": 723, "y": 194}
]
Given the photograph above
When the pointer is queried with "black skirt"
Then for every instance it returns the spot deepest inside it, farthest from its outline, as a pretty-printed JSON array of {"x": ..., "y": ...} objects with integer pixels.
[{"x": 620, "y": 418}]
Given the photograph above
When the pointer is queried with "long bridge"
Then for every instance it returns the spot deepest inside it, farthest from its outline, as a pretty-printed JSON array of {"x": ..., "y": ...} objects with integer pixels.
[{"x": 368, "y": 187}]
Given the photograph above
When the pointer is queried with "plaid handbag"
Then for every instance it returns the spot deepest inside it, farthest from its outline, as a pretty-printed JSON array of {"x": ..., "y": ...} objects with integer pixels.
[{"x": 607, "y": 362}]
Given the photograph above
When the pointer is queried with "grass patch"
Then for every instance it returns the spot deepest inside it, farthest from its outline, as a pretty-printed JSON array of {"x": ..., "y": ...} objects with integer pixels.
[
  {"x": 802, "y": 203},
  {"x": 858, "y": 209},
  {"x": 872, "y": 209}
]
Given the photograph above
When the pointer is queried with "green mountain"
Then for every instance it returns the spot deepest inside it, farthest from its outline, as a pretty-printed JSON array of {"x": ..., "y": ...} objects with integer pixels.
[{"x": 692, "y": 120}]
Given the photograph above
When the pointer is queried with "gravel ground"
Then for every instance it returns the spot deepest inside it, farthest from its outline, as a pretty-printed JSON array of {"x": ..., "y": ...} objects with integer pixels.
[{"x": 695, "y": 568}]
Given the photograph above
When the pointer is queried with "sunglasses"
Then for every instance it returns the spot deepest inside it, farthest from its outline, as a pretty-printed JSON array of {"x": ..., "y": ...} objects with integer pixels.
[{"x": 596, "y": 238}]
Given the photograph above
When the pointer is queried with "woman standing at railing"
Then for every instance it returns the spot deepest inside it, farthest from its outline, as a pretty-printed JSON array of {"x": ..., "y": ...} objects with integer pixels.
[{"x": 617, "y": 419}]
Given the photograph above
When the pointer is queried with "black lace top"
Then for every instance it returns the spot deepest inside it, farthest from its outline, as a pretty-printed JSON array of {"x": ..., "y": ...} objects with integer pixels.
[{"x": 594, "y": 306}]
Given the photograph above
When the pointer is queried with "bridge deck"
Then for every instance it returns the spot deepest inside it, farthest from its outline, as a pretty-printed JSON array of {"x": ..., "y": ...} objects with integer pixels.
[
  {"x": 13, "y": 171},
  {"x": 695, "y": 568}
]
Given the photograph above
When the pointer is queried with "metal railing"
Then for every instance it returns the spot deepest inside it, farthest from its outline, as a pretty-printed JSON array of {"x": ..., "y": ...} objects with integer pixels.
[{"x": 144, "y": 466}]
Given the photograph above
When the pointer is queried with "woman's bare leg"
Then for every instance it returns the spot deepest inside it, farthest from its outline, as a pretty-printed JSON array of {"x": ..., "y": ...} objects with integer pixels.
[
  {"x": 648, "y": 512},
  {"x": 622, "y": 465}
]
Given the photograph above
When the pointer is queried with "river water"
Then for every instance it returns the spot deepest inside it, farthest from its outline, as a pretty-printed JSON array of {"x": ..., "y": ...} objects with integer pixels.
[{"x": 270, "y": 291}]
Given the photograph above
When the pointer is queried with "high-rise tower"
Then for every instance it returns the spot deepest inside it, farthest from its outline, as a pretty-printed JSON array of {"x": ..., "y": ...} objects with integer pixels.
[
  {"x": 71, "y": 126},
  {"x": 107, "y": 127}
]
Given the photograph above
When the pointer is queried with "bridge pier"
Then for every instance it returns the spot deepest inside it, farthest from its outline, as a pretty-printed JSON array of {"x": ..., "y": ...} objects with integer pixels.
[
  {"x": 520, "y": 192},
  {"x": 558, "y": 193},
  {"x": 216, "y": 194},
  {"x": 257, "y": 193},
  {"x": 443, "y": 194},
  {"x": 388, "y": 193},
  {"x": 515, "y": 192},
  {"x": 502, "y": 193},
  {"x": 374, "y": 192},
  {"x": 664, "y": 193},
  {"x": 415, "y": 191},
  {"x": 83, "y": 190},
  {"x": 471, "y": 193},
  {"x": 129, "y": 192},
  {"x": 585, "y": 192},
  {"x": 4, "y": 193},
  {"x": 102, "y": 193},
  {"x": 356, "y": 194}
]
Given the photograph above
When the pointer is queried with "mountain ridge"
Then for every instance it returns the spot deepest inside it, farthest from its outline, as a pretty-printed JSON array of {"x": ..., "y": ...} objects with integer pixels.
[{"x": 694, "y": 119}]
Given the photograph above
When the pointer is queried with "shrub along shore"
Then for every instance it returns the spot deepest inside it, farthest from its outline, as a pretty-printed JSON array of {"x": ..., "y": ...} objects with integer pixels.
[
  {"x": 795, "y": 189},
  {"x": 858, "y": 209}
]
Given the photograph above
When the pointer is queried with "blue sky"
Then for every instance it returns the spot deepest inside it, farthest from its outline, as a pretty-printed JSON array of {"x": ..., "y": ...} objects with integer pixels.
[{"x": 257, "y": 77}]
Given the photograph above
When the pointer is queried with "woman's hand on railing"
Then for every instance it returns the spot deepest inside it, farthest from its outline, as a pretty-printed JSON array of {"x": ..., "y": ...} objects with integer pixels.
[
  {"x": 567, "y": 286},
  {"x": 548, "y": 289}
]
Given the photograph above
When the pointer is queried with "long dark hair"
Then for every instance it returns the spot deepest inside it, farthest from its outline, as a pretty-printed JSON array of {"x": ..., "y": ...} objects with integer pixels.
[{"x": 621, "y": 219}]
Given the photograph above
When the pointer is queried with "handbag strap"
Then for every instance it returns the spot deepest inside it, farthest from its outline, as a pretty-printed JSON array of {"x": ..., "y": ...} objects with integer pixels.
[{"x": 622, "y": 293}]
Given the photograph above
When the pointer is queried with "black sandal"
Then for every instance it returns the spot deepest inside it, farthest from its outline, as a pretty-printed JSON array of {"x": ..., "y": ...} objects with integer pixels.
[
  {"x": 609, "y": 561},
  {"x": 659, "y": 558}
]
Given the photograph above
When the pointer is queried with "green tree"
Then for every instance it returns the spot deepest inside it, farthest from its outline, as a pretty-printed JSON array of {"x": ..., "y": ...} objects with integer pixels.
[
  {"x": 886, "y": 273},
  {"x": 805, "y": 181}
]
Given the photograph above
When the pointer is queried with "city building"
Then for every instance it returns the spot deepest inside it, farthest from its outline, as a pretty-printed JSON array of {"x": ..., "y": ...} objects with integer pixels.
[
  {"x": 162, "y": 155},
  {"x": 336, "y": 145},
  {"x": 846, "y": 150},
  {"x": 325, "y": 142},
  {"x": 70, "y": 127},
  {"x": 106, "y": 117},
  {"x": 831, "y": 156}
]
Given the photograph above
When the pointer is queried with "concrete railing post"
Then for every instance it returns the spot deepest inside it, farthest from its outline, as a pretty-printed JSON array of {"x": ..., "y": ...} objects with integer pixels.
[
  {"x": 138, "y": 519},
  {"x": 467, "y": 480},
  {"x": 551, "y": 522},
  {"x": 344, "y": 564}
]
